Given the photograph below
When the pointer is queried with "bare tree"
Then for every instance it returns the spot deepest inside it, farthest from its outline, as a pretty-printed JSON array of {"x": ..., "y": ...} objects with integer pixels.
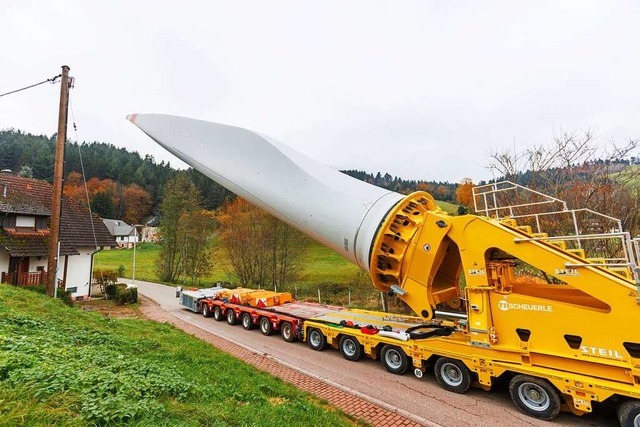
[
  {"x": 262, "y": 250},
  {"x": 576, "y": 168},
  {"x": 195, "y": 233},
  {"x": 180, "y": 205}
]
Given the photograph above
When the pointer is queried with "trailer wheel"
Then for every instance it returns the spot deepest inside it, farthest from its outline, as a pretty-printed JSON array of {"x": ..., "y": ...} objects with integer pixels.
[
  {"x": 247, "y": 321},
  {"x": 394, "y": 359},
  {"x": 452, "y": 375},
  {"x": 265, "y": 326},
  {"x": 206, "y": 311},
  {"x": 217, "y": 313},
  {"x": 535, "y": 397},
  {"x": 231, "y": 317},
  {"x": 629, "y": 413},
  {"x": 350, "y": 348},
  {"x": 316, "y": 339},
  {"x": 287, "y": 332}
]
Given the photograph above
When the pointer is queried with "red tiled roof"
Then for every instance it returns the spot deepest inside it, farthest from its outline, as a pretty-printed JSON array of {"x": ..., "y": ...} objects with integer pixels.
[{"x": 27, "y": 196}]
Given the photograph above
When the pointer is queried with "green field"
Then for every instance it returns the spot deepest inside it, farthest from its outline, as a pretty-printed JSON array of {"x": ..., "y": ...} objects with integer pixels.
[
  {"x": 321, "y": 265},
  {"x": 65, "y": 366},
  {"x": 450, "y": 208}
]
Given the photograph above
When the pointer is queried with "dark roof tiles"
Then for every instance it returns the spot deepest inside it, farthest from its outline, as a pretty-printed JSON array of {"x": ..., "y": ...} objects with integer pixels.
[
  {"x": 31, "y": 243},
  {"x": 27, "y": 196}
]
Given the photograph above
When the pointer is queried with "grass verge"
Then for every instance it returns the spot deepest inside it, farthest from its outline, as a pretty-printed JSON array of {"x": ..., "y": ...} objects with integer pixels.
[{"x": 64, "y": 366}]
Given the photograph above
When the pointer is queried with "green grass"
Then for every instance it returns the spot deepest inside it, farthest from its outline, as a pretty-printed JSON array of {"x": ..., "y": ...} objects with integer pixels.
[
  {"x": 320, "y": 265},
  {"x": 450, "y": 208},
  {"x": 146, "y": 254},
  {"x": 64, "y": 366}
]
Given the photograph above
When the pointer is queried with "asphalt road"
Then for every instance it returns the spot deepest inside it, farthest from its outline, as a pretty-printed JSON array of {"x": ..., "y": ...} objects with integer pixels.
[{"x": 420, "y": 399}]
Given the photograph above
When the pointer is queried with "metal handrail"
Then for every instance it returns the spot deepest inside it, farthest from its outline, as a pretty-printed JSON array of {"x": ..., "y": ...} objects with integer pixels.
[
  {"x": 630, "y": 248},
  {"x": 512, "y": 186}
]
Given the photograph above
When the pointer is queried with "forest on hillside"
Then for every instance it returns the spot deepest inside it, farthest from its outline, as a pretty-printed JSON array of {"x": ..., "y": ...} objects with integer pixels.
[{"x": 118, "y": 178}]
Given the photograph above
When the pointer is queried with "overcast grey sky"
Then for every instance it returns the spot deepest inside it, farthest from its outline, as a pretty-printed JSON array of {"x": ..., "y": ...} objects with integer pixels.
[{"x": 419, "y": 89}]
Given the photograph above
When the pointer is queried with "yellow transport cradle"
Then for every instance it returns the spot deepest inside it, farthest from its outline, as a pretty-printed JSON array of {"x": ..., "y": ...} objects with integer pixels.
[{"x": 520, "y": 303}]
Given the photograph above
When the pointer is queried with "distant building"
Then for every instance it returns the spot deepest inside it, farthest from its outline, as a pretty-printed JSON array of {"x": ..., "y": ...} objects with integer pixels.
[
  {"x": 150, "y": 234},
  {"x": 126, "y": 235},
  {"x": 25, "y": 211}
]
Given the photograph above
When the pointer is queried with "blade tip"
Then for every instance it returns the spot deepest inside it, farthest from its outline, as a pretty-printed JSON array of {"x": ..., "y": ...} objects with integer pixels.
[{"x": 132, "y": 117}]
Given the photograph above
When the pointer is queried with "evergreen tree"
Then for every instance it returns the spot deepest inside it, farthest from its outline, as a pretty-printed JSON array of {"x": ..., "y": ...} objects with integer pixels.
[
  {"x": 26, "y": 172},
  {"x": 102, "y": 205}
]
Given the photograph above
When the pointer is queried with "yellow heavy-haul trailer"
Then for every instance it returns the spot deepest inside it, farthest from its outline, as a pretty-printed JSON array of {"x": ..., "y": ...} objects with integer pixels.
[{"x": 512, "y": 292}]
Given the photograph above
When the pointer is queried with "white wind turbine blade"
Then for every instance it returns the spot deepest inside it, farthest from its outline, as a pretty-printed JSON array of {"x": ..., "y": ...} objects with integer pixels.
[{"x": 338, "y": 211}]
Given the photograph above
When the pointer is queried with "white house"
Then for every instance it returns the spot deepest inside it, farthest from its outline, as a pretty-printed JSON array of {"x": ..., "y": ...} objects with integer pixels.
[
  {"x": 25, "y": 209},
  {"x": 126, "y": 235}
]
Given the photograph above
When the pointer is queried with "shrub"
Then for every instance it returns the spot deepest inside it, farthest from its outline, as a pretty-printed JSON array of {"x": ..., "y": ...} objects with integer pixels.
[
  {"x": 121, "y": 270},
  {"x": 134, "y": 294},
  {"x": 105, "y": 278},
  {"x": 125, "y": 295},
  {"x": 111, "y": 291}
]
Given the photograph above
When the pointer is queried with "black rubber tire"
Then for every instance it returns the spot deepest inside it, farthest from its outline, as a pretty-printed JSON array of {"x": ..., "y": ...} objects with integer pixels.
[
  {"x": 350, "y": 348},
  {"x": 247, "y": 321},
  {"x": 265, "y": 326},
  {"x": 206, "y": 311},
  {"x": 394, "y": 359},
  {"x": 535, "y": 397},
  {"x": 316, "y": 339},
  {"x": 217, "y": 314},
  {"x": 231, "y": 317},
  {"x": 452, "y": 375},
  {"x": 286, "y": 330},
  {"x": 629, "y": 413}
]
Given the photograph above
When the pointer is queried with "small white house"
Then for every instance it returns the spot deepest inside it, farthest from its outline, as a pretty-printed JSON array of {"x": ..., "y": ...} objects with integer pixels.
[
  {"x": 25, "y": 209},
  {"x": 126, "y": 235}
]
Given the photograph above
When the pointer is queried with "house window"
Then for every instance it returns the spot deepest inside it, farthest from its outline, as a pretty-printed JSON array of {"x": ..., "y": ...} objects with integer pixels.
[{"x": 25, "y": 221}]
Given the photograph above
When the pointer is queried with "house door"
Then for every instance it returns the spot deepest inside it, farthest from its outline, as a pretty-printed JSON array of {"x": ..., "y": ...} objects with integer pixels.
[{"x": 18, "y": 266}]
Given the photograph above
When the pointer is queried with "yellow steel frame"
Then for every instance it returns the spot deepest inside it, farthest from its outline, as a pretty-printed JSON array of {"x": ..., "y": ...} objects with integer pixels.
[{"x": 576, "y": 327}]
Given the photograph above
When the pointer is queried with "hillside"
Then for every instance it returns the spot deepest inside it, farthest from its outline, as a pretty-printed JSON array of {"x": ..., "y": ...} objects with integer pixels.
[{"x": 64, "y": 366}]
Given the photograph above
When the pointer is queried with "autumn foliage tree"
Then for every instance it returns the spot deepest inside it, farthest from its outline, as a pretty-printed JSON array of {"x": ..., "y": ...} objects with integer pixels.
[
  {"x": 262, "y": 250},
  {"x": 109, "y": 199},
  {"x": 136, "y": 204},
  {"x": 464, "y": 193}
]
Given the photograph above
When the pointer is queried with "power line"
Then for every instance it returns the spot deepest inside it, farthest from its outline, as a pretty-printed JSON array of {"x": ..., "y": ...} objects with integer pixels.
[
  {"x": 86, "y": 189},
  {"x": 51, "y": 80}
]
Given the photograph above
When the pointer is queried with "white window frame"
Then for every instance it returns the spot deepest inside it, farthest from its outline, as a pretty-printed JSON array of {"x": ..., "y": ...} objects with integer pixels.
[{"x": 24, "y": 221}]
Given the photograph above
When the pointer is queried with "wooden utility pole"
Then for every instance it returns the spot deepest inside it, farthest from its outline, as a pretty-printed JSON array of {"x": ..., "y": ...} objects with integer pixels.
[{"x": 56, "y": 203}]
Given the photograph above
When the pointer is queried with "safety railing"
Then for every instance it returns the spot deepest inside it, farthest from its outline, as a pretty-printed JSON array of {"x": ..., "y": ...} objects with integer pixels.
[{"x": 598, "y": 239}]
